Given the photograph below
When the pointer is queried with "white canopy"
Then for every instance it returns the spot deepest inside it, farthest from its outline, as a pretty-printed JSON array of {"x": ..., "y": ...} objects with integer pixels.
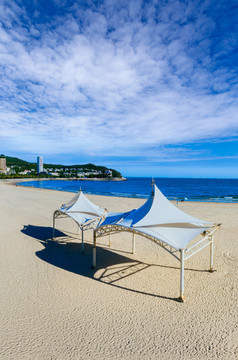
[
  {"x": 160, "y": 219},
  {"x": 81, "y": 209}
]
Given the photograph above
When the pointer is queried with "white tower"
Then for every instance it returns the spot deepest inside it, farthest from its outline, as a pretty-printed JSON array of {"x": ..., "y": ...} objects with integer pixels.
[{"x": 39, "y": 164}]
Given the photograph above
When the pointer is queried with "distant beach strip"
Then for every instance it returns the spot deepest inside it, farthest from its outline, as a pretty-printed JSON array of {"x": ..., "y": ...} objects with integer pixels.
[{"x": 178, "y": 189}]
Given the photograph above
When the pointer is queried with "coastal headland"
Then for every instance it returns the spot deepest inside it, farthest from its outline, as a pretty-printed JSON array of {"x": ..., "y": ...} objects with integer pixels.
[
  {"x": 13, "y": 167},
  {"x": 55, "y": 306}
]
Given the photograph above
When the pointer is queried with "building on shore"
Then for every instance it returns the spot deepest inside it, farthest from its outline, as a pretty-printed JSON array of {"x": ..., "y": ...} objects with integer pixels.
[
  {"x": 3, "y": 165},
  {"x": 39, "y": 164},
  {"x": 108, "y": 173}
]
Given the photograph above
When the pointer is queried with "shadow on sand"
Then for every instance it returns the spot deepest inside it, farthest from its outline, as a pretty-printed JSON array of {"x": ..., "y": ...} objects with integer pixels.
[{"x": 66, "y": 254}]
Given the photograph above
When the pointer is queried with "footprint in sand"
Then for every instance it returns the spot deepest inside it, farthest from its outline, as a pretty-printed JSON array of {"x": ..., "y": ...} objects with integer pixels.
[{"x": 228, "y": 258}]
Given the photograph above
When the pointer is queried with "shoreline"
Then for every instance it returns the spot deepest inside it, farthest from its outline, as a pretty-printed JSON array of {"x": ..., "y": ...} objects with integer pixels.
[{"x": 15, "y": 180}]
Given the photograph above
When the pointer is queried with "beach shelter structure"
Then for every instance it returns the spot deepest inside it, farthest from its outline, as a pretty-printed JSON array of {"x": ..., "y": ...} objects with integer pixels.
[
  {"x": 84, "y": 212},
  {"x": 165, "y": 224}
]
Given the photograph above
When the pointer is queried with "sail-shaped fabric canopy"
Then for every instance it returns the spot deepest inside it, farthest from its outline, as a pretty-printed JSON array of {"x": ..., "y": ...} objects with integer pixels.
[
  {"x": 165, "y": 224},
  {"x": 160, "y": 219},
  {"x": 81, "y": 209}
]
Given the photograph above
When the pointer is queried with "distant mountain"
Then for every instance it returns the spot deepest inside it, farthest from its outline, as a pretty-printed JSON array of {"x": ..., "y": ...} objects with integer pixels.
[{"x": 14, "y": 161}]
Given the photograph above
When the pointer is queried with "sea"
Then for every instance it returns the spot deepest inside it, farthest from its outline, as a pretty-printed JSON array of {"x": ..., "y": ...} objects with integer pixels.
[{"x": 178, "y": 189}]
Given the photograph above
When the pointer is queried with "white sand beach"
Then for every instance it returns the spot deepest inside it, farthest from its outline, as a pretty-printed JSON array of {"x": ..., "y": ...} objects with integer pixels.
[{"x": 55, "y": 306}]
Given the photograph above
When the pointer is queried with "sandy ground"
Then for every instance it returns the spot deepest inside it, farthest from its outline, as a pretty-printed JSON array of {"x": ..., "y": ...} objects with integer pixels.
[{"x": 54, "y": 306}]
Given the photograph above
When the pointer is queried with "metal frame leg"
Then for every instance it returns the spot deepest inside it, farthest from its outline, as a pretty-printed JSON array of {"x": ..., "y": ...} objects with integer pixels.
[
  {"x": 182, "y": 297},
  {"x": 82, "y": 241},
  {"x": 211, "y": 255},
  {"x": 110, "y": 240},
  {"x": 94, "y": 248},
  {"x": 53, "y": 227}
]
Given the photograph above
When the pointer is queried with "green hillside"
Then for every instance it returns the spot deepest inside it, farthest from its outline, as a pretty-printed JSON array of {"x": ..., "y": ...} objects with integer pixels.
[{"x": 15, "y": 161}]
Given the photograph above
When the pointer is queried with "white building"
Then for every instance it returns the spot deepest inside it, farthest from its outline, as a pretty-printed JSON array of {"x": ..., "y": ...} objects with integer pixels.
[
  {"x": 108, "y": 172},
  {"x": 25, "y": 172}
]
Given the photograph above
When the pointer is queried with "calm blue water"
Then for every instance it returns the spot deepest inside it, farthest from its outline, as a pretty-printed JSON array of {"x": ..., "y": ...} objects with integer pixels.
[{"x": 215, "y": 190}]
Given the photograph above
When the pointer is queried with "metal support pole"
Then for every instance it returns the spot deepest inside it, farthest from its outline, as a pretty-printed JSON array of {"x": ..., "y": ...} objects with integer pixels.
[
  {"x": 133, "y": 243},
  {"x": 94, "y": 248},
  {"x": 53, "y": 226},
  {"x": 110, "y": 240},
  {"x": 82, "y": 241},
  {"x": 182, "y": 297},
  {"x": 211, "y": 255}
]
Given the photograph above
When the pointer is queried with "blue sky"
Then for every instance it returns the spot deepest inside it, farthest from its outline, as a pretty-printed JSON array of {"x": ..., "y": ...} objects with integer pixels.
[{"x": 146, "y": 87}]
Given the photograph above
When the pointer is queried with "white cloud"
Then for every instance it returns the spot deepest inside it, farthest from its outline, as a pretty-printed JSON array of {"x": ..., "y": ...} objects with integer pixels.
[{"x": 104, "y": 82}]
